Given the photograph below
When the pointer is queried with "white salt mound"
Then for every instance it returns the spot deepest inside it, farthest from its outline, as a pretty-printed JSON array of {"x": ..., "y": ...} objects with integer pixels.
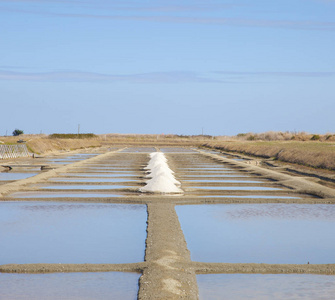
[{"x": 162, "y": 178}]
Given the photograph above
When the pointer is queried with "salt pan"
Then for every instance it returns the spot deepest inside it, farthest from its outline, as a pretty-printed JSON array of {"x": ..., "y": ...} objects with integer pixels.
[{"x": 162, "y": 178}]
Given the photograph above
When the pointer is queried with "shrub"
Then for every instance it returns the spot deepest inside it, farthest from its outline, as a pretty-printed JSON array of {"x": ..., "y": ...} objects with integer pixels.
[
  {"x": 251, "y": 138},
  {"x": 17, "y": 132},
  {"x": 315, "y": 137}
]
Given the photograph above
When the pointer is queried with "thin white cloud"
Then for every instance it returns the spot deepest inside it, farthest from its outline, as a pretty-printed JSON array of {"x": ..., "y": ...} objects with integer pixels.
[
  {"x": 76, "y": 76},
  {"x": 284, "y": 24},
  {"x": 158, "y": 8},
  {"x": 278, "y": 74},
  {"x": 154, "y": 6}
]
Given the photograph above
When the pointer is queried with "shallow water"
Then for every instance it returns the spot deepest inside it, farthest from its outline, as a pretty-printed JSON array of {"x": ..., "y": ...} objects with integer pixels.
[
  {"x": 260, "y": 233},
  {"x": 99, "y": 171},
  {"x": 41, "y": 232},
  {"x": 63, "y": 195},
  {"x": 5, "y": 176},
  {"x": 224, "y": 181},
  {"x": 269, "y": 286},
  {"x": 139, "y": 149},
  {"x": 252, "y": 196},
  {"x": 236, "y": 188},
  {"x": 70, "y": 286},
  {"x": 111, "y": 175},
  {"x": 232, "y": 174},
  {"x": 88, "y": 179},
  {"x": 177, "y": 150},
  {"x": 85, "y": 187}
]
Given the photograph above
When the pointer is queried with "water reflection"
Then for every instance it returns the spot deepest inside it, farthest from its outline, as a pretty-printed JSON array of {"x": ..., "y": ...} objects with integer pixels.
[
  {"x": 5, "y": 176},
  {"x": 260, "y": 233},
  {"x": 236, "y": 188},
  {"x": 88, "y": 179},
  {"x": 258, "y": 286},
  {"x": 63, "y": 195},
  {"x": 84, "y": 187},
  {"x": 70, "y": 286},
  {"x": 39, "y": 232}
]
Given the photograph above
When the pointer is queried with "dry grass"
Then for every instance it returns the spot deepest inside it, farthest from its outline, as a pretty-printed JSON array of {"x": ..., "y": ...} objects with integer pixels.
[
  {"x": 298, "y": 148},
  {"x": 154, "y": 140},
  {"x": 284, "y": 136},
  {"x": 41, "y": 144},
  {"x": 313, "y": 154}
]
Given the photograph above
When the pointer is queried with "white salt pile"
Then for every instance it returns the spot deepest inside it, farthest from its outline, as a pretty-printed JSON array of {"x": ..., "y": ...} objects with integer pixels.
[{"x": 162, "y": 178}]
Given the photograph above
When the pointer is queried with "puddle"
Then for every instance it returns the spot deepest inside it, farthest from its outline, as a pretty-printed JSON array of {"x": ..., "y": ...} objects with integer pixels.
[
  {"x": 236, "y": 188},
  {"x": 40, "y": 232},
  {"x": 269, "y": 286},
  {"x": 87, "y": 179},
  {"x": 70, "y": 286},
  {"x": 62, "y": 195},
  {"x": 260, "y": 233},
  {"x": 86, "y": 187},
  {"x": 4, "y": 176}
]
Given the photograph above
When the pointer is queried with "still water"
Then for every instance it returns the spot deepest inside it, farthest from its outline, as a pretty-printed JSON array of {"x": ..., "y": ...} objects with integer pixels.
[
  {"x": 69, "y": 286},
  {"x": 39, "y": 232},
  {"x": 263, "y": 287},
  {"x": 85, "y": 187},
  {"x": 260, "y": 233},
  {"x": 60, "y": 194},
  {"x": 5, "y": 176}
]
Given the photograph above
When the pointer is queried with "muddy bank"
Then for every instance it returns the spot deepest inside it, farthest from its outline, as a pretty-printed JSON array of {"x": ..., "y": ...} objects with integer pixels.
[
  {"x": 212, "y": 268},
  {"x": 70, "y": 268},
  {"x": 301, "y": 185}
]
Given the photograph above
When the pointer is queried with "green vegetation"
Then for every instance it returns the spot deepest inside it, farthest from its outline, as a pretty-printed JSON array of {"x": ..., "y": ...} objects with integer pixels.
[
  {"x": 17, "y": 132},
  {"x": 315, "y": 137},
  {"x": 72, "y": 136}
]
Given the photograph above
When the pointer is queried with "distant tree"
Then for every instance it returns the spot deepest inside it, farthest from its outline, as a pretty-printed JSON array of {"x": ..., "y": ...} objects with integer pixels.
[{"x": 17, "y": 132}]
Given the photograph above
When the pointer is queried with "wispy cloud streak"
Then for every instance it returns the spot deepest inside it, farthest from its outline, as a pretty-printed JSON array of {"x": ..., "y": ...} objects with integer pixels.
[
  {"x": 75, "y": 76},
  {"x": 284, "y": 24},
  {"x": 278, "y": 74}
]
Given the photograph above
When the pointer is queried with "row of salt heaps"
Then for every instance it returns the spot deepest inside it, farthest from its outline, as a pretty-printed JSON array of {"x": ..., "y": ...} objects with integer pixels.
[{"x": 162, "y": 178}]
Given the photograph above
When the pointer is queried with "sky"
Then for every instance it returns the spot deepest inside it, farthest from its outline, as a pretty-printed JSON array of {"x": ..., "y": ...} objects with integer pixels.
[{"x": 217, "y": 67}]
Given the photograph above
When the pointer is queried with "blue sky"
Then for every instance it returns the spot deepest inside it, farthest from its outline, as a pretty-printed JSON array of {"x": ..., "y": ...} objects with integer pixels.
[{"x": 167, "y": 66}]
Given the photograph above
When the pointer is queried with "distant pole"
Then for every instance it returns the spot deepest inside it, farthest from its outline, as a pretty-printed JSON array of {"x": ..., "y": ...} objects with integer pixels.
[
  {"x": 78, "y": 129},
  {"x": 202, "y": 131}
]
